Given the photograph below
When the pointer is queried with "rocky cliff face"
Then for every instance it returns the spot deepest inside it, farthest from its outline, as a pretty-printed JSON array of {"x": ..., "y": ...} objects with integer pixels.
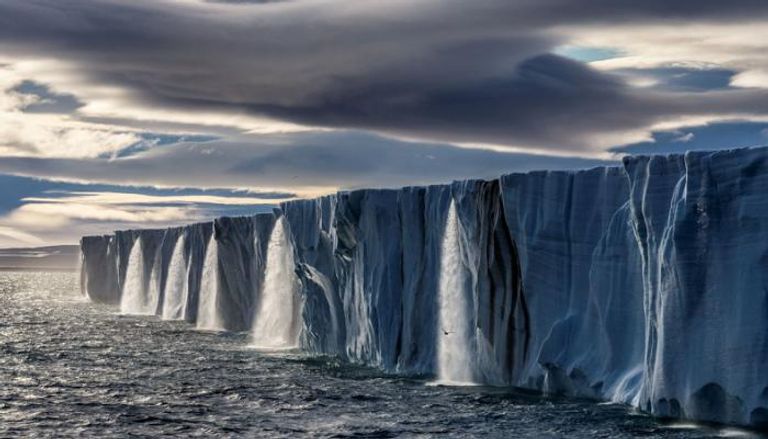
[{"x": 645, "y": 283}]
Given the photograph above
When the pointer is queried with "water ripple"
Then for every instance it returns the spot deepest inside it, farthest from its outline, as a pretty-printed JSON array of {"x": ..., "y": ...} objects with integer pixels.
[{"x": 69, "y": 368}]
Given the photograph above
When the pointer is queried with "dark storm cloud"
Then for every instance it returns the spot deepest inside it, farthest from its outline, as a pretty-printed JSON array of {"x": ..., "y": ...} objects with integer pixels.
[
  {"x": 547, "y": 100},
  {"x": 447, "y": 70}
]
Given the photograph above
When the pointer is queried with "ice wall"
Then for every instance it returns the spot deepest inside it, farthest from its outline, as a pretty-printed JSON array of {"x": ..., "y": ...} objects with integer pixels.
[
  {"x": 99, "y": 269},
  {"x": 701, "y": 222},
  {"x": 644, "y": 283}
]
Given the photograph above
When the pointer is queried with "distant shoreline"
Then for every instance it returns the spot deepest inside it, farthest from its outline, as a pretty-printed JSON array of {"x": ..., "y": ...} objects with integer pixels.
[
  {"x": 57, "y": 258},
  {"x": 39, "y": 269}
]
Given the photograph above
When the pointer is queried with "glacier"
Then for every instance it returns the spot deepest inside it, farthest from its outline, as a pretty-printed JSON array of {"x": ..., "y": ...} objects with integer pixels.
[{"x": 644, "y": 283}]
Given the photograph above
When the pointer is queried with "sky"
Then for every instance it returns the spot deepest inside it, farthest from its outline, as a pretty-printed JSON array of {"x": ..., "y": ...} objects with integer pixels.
[{"x": 118, "y": 114}]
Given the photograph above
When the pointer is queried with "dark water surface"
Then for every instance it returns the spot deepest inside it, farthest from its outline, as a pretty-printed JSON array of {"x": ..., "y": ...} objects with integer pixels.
[{"x": 69, "y": 368}]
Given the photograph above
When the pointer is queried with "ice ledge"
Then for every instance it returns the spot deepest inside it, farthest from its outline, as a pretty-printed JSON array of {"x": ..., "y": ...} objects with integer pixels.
[{"x": 644, "y": 283}]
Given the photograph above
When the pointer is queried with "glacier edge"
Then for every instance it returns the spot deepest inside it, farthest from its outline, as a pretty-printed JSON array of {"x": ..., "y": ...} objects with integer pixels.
[{"x": 644, "y": 283}]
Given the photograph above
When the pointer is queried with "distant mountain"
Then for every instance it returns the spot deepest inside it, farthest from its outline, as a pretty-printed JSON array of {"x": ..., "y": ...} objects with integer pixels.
[{"x": 53, "y": 258}]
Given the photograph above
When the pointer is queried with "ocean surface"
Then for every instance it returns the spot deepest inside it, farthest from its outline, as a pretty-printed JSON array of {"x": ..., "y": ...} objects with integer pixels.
[{"x": 69, "y": 368}]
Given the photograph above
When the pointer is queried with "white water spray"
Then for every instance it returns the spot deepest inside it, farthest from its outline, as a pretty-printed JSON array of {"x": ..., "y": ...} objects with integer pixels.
[
  {"x": 153, "y": 290},
  {"x": 208, "y": 309},
  {"x": 134, "y": 294},
  {"x": 454, "y": 331},
  {"x": 81, "y": 272},
  {"x": 176, "y": 289},
  {"x": 275, "y": 321}
]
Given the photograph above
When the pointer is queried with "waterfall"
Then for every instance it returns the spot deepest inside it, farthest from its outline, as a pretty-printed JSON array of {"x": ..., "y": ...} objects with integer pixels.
[
  {"x": 153, "y": 291},
  {"x": 176, "y": 289},
  {"x": 275, "y": 321},
  {"x": 80, "y": 269},
  {"x": 133, "y": 299},
  {"x": 454, "y": 331},
  {"x": 207, "y": 310}
]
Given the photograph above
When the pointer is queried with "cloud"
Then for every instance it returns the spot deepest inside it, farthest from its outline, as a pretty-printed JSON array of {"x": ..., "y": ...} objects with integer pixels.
[
  {"x": 714, "y": 48},
  {"x": 37, "y": 215},
  {"x": 63, "y": 221},
  {"x": 721, "y": 135},
  {"x": 684, "y": 138},
  {"x": 137, "y": 199},
  {"x": 62, "y": 218},
  {"x": 85, "y": 196},
  {"x": 453, "y": 71},
  {"x": 15, "y": 236},
  {"x": 244, "y": 1},
  {"x": 35, "y": 121},
  {"x": 238, "y": 104},
  {"x": 308, "y": 164},
  {"x": 36, "y": 211},
  {"x": 680, "y": 78},
  {"x": 43, "y": 100}
]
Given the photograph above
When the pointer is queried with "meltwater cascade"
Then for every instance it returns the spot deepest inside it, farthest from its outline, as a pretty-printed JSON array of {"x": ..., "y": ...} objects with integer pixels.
[
  {"x": 134, "y": 299},
  {"x": 274, "y": 324},
  {"x": 208, "y": 305},
  {"x": 175, "y": 305},
  {"x": 455, "y": 333}
]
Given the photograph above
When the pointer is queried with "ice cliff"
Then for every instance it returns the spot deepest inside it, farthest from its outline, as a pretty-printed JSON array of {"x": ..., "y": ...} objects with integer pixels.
[{"x": 645, "y": 283}]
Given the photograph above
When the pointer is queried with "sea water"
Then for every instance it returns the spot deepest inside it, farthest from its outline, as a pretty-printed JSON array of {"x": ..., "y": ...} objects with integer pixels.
[{"x": 69, "y": 368}]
